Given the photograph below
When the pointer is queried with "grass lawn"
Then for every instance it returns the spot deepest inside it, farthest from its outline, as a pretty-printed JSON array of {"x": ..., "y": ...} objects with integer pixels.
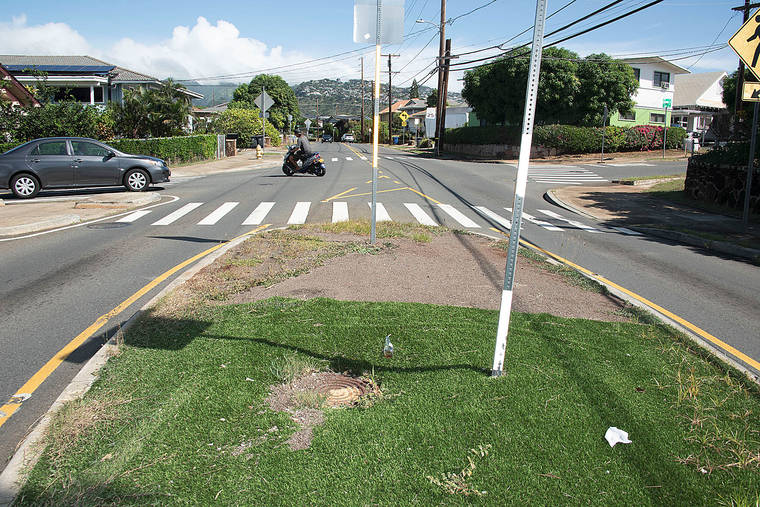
[{"x": 180, "y": 417}]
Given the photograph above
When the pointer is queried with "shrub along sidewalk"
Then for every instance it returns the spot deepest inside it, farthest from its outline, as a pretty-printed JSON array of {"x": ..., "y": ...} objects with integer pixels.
[{"x": 184, "y": 413}]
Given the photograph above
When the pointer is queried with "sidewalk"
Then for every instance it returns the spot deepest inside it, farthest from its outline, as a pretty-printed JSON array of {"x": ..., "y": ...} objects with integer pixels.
[
  {"x": 633, "y": 208},
  {"x": 60, "y": 208}
]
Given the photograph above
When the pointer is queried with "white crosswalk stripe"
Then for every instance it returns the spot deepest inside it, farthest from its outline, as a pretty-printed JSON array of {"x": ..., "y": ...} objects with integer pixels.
[
  {"x": 133, "y": 216},
  {"x": 349, "y": 158},
  {"x": 259, "y": 214},
  {"x": 563, "y": 174},
  {"x": 458, "y": 216},
  {"x": 493, "y": 216},
  {"x": 541, "y": 223},
  {"x": 420, "y": 215},
  {"x": 381, "y": 214},
  {"x": 334, "y": 159},
  {"x": 340, "y": 212},
  {"x": 362, "y": 157},
  {"x": 626, "y": 231},
  {"x": 218, "y": 213},
  {"x": 631, "y": 164},
  {"x": 300, "y": 212},
  {"x": 574, "y": 223},
  {"x": 184, "y": 210}
]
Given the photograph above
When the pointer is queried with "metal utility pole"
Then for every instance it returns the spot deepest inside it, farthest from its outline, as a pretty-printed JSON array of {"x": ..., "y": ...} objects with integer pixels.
[
  {"x": 442, "y": 133},
  {"x": 361, "y": 118},
  {"x": 390, "y": 98},
  {"x": 531, "y": 95},
  {"x": 750, "y": 167},
  {"x": 441, "y": 98}
]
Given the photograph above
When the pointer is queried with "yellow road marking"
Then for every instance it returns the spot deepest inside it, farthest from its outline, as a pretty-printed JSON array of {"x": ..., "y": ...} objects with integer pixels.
[
  {"x": 340, "y": 194},
  {"x": 379, "y": 192},
  {"x": 43, "y": 373},
  {"x": 423, "y": 195},
  {"x": 356, "y": 152}
]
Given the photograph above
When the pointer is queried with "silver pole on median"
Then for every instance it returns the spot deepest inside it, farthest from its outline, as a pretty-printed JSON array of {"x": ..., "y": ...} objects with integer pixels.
[
  {"x": 531, "y": 94},
  {"x": 376, "y": 121},
  {"x": 750, "y": 167}
]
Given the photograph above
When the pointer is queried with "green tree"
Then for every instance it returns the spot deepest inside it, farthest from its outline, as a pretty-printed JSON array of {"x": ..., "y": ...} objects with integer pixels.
[
  {"x": 432, "y": 98},
  {"x": 59, "y": 119},
  {"x": 570, "y": 90},
  {"x": 729, "y": 91},
  {"x": 152, "y": 112},
  {"x": 285, "y": 101},
  {"x": 414, "y": 90}
]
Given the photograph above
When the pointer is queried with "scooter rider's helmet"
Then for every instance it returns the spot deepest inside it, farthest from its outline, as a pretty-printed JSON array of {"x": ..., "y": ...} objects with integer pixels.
[{"x": 297, "y": 132}]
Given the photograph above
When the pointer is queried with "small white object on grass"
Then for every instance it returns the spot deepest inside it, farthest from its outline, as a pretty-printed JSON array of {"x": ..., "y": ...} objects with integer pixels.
[
  {"x": 388, "y": 349},
  {"x": 616, "y": 436}
]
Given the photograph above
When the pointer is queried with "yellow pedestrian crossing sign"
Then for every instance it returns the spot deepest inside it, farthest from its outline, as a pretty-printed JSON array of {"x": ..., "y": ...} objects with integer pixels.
[{"x": 746, "y": 43}]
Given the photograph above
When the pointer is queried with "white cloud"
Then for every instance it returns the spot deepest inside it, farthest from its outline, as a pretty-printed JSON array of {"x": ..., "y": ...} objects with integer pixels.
[{"x": 48, "y": 39}]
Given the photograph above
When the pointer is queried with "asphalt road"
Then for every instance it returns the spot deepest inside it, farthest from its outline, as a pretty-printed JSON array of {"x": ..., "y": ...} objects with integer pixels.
[{"x": 56, "y": 285}]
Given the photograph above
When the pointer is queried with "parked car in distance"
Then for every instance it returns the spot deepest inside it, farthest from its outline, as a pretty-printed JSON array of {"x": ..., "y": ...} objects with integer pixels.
[
  {"x": 327, "y": 138},
  {"x": 73, "y": 162},
  {"x": 347, "y": 138}
]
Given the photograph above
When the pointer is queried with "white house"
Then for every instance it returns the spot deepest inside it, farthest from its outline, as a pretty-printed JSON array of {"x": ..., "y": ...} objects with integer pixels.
[{"x": 698, "y": 97}]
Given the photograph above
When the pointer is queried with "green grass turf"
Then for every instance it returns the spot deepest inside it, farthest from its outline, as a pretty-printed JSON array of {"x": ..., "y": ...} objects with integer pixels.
[{"x": 164, "y": 421}]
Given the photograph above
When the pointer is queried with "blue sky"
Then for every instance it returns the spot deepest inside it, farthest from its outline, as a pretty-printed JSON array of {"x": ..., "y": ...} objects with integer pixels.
[{"x": 193, "y": 38}]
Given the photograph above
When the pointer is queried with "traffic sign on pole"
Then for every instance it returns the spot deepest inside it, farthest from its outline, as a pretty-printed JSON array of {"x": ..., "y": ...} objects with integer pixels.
[
  {"x": 751, "y": 92},
  {"x": 746, "y": 43},
  {"x": 264, "y": 101},
  {"x": 666, "y": 103}
]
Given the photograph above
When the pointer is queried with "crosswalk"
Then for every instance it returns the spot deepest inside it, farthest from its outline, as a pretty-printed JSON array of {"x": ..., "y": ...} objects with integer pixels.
[
  {"x": 434, "y": 215},
  {"x": 563, "y": 174}
]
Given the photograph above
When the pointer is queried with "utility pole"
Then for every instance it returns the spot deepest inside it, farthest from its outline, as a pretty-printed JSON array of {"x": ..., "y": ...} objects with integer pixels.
[
  {"x": 740, "y": 76},
  {"x": 361, "y": 118},
  {"x": 390, "y": 97},
  {"x": 441, "y": 49},
  {"x": 442, "y": 132}
]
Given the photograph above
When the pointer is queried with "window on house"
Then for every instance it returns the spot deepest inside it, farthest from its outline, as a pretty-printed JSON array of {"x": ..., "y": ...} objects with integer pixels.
[
  {"x": 628, "y": 116},
  {"x": 637, "y": 73},
  {"x": 679, "y": 121},
  {"x": 656, "y": 118},
  {"x": 661, "y": 77}
]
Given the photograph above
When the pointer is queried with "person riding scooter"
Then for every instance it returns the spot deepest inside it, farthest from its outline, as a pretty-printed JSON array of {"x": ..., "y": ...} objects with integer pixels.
[{"x": 304, "y": 149}]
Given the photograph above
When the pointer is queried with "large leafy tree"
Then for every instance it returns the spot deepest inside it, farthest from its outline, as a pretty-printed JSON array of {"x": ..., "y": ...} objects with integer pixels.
[
  {"x": 285, "y": 101},
  {"x": 432, "y": 98},
  {"x": 570, "y": 90},
  {"x": 152, "y": 112}
]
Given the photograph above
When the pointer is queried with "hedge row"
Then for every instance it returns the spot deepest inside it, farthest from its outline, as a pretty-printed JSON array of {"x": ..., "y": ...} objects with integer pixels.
[
  {"x": 571, "y": 139},
  {"x": 171, "y": 149},
  {"x": 7, "y": 146}
]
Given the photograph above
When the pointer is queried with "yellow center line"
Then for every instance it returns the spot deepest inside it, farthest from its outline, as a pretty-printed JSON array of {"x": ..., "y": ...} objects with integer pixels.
[
  {"x": 43, "y": 373},
  {"x": 340, "y": 194},
  {"x": 379, "y": 192},
  {"x": 423, "y": 195}
]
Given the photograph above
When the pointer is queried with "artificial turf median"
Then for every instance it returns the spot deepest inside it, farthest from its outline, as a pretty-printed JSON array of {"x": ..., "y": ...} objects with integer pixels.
[{"x": 180, "y": 416}]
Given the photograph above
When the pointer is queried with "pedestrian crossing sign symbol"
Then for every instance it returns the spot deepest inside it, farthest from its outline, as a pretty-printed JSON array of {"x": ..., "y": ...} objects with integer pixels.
[
  {"x": 751, "y": 92},
  {"x": 746, "y": 43}
]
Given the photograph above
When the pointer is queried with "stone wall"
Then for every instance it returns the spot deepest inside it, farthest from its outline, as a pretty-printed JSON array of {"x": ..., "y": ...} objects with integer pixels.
[
  {"x": 721, "y": 184},
  {"x": 497, "y": 151}
]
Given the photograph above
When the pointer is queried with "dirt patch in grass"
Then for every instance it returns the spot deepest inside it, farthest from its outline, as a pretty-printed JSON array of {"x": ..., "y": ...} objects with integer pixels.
[{"x": 406, "y": 264}]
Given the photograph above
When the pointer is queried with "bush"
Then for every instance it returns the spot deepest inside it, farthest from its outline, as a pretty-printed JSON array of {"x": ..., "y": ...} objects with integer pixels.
[
  {"x": 426, "y": 143},
  {"x": 246, "y": 123},
  {"x": 172, "y": 149},
  {"x": 60, "y": 119},
  {"x": 572, "y": 139},
  {"x": 7, "y": 146}
]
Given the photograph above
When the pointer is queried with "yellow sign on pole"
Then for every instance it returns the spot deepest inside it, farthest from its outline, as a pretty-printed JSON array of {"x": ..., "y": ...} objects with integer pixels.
[
  {"x": 751, "y": 92},
  {"x": 404, "y": 116},
  {"x": 403, "y": 123},
  {"x": 746, "y": 43}
]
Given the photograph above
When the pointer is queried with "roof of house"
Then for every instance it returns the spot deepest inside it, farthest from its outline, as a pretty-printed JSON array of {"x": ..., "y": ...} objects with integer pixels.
[
  {"x": 212, "y": 109},
  {"x": 395, "y": 106},
  {"x": 414, "y": 104},
  {"x": 80, "y": 64},
  {"x": 690, "y": 90},
  {"x": 655, "y": 60},
  {"x": 12, "y": 89}
]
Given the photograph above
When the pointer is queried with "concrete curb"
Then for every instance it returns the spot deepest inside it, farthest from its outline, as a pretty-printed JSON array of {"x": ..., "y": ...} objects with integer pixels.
[
  {"x": 50, "y": 223},
  {"x": 723, "y": 247},
  {"x": 30, "y": 450}
]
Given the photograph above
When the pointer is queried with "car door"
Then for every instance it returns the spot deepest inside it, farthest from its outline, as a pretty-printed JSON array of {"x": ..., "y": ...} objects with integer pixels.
[
  {"x": 51, "y": 161},
  {"x": 94, "y": 164}
]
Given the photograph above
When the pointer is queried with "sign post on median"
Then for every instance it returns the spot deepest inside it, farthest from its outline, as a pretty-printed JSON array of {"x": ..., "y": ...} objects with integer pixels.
[
  {"x": 526, "y": 142},
  {"x": 383, "y": 19},
  {"x": 264, "y": 101},
  {"x": 666, "y": 103}
]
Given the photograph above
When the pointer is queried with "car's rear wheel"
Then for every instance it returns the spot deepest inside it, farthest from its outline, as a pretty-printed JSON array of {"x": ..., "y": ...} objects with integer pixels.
[
  {"x": 25, "y": 186},
  {"x": 136, "y": 180}
]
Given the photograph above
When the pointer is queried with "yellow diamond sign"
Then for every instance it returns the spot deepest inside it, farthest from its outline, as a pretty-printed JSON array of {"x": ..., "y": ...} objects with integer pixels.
[
  {"x": 746, "y": 43},
  {"x": 404, "y": 116}
]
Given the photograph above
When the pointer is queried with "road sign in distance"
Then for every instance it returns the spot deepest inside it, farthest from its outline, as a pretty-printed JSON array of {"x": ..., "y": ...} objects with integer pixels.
[
  {"x": 307, "y": 123},
  {"x": 746, "y": 43},
  {"x": 666, "y": 103},
  {"x": 264, "y": 101},
  {"x": 391, "y": 18}
]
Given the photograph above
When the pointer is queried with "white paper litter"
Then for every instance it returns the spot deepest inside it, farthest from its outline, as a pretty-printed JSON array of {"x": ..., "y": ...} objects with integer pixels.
[
  {"x": 616, "y": 436},
  {"x": 249, "y": 379}
]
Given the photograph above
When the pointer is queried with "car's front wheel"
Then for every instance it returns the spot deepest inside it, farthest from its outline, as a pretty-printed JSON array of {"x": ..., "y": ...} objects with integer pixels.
[
  {"x": 25, "y": 186},
  {"x": 136, "y": 180}
]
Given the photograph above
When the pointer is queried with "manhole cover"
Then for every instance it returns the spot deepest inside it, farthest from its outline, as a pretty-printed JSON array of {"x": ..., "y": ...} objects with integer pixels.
[{"x": 111, "y": 225}]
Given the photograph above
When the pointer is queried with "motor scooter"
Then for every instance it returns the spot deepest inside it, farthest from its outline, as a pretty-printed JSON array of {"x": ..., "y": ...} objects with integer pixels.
[{"x": 313, "y": 165}]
